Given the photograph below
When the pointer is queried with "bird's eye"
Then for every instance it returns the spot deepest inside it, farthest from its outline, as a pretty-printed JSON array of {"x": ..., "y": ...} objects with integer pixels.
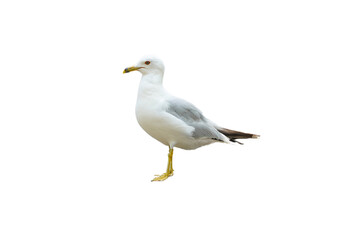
[{"x": 147, "y": 62}]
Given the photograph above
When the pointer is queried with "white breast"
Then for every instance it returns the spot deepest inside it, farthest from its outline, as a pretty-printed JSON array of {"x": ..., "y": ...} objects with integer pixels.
[{"x": 152, "y": 116}]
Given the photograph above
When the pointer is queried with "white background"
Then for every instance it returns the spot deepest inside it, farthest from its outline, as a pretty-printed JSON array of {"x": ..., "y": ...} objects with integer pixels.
[{"x": 74, "y": 164}]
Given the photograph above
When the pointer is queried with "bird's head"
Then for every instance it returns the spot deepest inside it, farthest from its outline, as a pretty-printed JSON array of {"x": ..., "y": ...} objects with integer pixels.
[{"x": 147, "y": 65}]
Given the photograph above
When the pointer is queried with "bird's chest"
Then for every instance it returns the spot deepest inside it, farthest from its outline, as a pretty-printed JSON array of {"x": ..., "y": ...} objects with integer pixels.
[
  {"x": 153, "y": 118},
  {"x": 151, "y": 115},
  {"x": 148, "y": 118}
]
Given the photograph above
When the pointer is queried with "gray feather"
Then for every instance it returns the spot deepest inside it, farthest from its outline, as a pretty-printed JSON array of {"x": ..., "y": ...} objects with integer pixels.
[{"x": 193, "y": 117}]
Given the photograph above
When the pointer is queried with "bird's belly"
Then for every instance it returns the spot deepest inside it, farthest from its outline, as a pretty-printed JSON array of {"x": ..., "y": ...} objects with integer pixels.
[{"x": 165, "y": 128}]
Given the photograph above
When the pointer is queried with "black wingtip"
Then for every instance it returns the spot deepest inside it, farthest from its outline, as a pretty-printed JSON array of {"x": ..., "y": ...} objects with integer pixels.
[{"x": 234, "y": 140}]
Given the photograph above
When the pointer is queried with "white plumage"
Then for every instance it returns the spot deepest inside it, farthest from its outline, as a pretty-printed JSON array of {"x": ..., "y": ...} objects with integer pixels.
[{"x": 171, "y": 120}]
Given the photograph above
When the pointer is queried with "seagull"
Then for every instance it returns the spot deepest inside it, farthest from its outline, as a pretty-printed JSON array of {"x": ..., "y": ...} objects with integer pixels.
[{"x": 173, "y": 121}]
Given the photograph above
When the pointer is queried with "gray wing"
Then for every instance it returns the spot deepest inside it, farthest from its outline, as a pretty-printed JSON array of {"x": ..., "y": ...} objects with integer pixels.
[{"x": 192, "y": 116}]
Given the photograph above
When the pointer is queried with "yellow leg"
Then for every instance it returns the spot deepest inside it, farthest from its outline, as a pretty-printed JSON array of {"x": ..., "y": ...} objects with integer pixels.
[
  {"x": 170, "y": 166},
  {"x": 169, "y": 170}
]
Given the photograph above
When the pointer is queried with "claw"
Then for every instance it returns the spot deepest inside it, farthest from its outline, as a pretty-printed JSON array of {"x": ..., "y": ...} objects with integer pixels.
[
  {"x": 162, "y": 177},
  {"x": 169, "y": 170}
]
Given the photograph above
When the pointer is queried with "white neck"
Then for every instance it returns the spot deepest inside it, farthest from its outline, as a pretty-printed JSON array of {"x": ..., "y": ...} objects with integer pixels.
[
  {"x": 154, "y": 77},
  {"x": 151, "y": 84}
]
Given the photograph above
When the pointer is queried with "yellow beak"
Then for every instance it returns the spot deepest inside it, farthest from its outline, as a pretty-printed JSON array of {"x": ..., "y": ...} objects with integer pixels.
[{"x": 130, "y": 69}]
